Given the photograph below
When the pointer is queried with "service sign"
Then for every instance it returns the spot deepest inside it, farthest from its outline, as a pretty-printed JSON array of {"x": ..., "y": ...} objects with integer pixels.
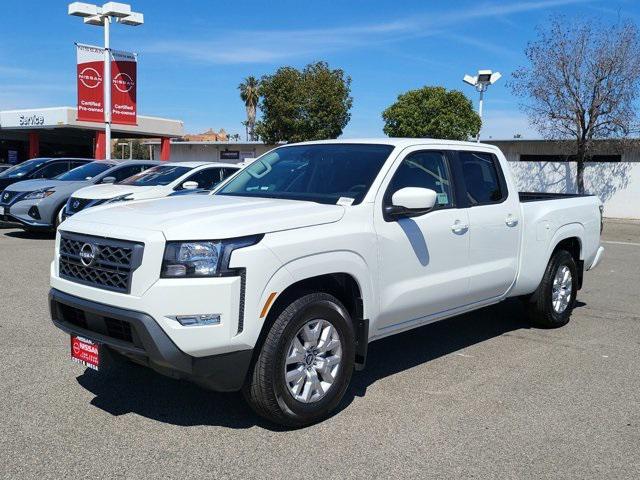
[{"x": 90, "y": 71}]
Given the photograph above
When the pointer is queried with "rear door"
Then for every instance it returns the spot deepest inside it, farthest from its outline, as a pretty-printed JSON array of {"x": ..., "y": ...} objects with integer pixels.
[{"x": 494, "y": 225}]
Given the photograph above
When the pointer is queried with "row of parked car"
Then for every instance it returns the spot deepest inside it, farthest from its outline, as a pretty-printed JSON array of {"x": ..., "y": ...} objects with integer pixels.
[{"x": 40, "y": 193}]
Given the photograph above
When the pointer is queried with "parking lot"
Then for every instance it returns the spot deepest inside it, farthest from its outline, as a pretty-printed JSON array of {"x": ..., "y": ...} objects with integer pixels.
[{"x": 480, "y": 395}]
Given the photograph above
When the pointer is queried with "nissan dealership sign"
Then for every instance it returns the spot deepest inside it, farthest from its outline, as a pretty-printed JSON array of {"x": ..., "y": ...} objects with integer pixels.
[{"x": 90, "y": 70}]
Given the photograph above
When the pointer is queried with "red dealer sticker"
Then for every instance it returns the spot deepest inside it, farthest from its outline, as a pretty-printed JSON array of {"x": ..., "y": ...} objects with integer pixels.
[{"x": 85, "y": 352}]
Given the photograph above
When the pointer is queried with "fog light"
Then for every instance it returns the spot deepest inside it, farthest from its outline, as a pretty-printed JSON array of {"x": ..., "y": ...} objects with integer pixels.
[
  {"x": 34, "y": 212},
  {"x": 194, "y": 320}
]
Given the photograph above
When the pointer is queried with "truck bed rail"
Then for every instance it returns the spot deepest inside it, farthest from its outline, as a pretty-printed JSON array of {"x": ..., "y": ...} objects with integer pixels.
[{"x": 543, "y": 196}]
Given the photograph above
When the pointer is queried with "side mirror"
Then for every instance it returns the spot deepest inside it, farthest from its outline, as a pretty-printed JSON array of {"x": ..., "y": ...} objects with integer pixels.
[
  {"x": 411, "y": 202},
  {"x": 190, "y": 185},
  {"x": 109, "y": 180}
]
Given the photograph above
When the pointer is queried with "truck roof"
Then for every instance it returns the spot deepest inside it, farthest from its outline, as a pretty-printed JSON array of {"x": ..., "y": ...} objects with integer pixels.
[{"x": 398, "y": 142}]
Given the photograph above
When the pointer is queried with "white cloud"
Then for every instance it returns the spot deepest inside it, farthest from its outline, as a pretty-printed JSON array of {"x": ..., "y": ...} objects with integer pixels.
[{"x": 267, "y": 46}]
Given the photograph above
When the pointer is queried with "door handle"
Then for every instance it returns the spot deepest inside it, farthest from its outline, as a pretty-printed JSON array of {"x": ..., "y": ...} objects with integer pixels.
[
  {"x": 459, "y": 227},
  {"x": 511, "y": 221}
]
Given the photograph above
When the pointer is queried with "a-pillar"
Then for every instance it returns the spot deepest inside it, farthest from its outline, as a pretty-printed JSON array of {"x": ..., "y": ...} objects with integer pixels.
[
  {"x": 34, "y": 144},
  {"x": 100, "y": 148},
  {"x": 165, "y": 149}
]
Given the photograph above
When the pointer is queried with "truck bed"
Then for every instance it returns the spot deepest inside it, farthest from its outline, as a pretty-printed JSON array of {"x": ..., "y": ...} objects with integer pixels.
[{"x": 543, "y": 196}]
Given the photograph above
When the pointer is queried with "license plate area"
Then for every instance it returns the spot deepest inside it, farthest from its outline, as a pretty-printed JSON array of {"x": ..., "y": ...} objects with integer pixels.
[{"x": 85, "y": 352}]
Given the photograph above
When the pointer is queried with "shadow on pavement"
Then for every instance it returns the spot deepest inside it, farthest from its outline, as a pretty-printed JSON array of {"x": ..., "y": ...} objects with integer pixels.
[
  {"x": 30, "y": 235},
  {"x": 136, "y": 389}
]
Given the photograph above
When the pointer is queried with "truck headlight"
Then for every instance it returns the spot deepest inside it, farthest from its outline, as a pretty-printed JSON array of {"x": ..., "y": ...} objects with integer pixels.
[
  {"x": 39, "y": 194},
  {"x": 203, "y": 258}
]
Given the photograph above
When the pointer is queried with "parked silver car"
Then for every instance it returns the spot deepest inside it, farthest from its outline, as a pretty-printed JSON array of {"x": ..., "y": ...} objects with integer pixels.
[{"x": 36, "y": 204}]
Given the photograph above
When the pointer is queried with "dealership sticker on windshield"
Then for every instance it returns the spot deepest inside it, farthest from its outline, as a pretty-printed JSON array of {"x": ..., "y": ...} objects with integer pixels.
[
  {"x": 85, "y": 352},
  {"x": 345, "y": 201}
]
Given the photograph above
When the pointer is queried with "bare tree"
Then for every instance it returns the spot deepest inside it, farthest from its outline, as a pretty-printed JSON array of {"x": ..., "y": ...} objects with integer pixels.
[{"x": 581, "y": 83}]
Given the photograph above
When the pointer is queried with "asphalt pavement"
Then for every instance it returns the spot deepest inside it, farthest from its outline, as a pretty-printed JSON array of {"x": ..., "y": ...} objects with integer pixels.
[{"x": 482, "y": 395}]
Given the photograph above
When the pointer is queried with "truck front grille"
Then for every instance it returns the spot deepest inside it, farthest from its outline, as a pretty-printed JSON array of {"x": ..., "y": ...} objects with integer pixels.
[{"x": 99, "y": 262}]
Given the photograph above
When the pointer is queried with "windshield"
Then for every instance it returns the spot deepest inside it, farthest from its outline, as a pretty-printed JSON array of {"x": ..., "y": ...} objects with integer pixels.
[
  {"x": 85, "y": 172},
  {"x": 23, "y": 168},
  {"x": 322, "y": 173},
  {"x": 160, "y": 175}
]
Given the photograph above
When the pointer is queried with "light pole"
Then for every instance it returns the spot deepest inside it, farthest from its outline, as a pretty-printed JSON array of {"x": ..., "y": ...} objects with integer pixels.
[
  {"x": 103, "y": 16},
  {"x": 481, "y": 82}
]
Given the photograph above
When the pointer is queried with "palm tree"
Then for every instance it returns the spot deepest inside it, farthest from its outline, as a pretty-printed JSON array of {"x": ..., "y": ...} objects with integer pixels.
[{"x": 250, "y": 95}]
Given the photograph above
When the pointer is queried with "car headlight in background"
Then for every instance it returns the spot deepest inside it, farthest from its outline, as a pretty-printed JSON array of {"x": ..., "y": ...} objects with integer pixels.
[
  {"x": 39, "y": 194},
  {"x": 121, "y": 198},
  {"x": 203, "y": 258}
]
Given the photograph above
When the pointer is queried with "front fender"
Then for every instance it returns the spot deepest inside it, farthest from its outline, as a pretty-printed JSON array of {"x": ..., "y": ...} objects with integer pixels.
[{"x": 341, "y": 261}]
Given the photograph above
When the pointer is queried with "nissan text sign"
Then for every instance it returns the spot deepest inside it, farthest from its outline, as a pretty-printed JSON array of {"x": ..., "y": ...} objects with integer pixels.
[{"x": 90, "y": 72}]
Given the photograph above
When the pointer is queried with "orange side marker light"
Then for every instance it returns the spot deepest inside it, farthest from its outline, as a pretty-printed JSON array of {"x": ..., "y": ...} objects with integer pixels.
[{"x": 267, "y": 304}]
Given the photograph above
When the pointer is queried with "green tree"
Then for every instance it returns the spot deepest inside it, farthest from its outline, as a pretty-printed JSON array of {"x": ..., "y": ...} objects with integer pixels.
[
  {"x": 432, "y": 112},
  {"x": 311, "y": 104},
  {"x": 249, "y": 93}
]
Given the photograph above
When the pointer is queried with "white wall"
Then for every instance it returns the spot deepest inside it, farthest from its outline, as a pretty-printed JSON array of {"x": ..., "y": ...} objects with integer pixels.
[
  {"x": 210, "y": 152},
  {"x": 617, "y": 184}
]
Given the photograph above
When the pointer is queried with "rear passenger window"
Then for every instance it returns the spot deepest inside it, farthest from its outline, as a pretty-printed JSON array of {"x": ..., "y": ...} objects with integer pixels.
[
  {"x": 128, "y": 171},
  {"x": 481, "y": 178},
  {"x": 52, "y": 169},
  {"x": 426, "y": 169},
  {"x": 206, "y": 179}
]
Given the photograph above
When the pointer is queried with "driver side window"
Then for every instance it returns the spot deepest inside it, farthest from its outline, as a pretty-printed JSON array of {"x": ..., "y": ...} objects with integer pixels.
[{"x": 426, "y": 169}]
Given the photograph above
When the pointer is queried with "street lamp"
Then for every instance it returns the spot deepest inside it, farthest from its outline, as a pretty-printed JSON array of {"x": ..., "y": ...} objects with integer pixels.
[
  {"x": 481, "y": 82},
  {"x": 103, "y": 16}
]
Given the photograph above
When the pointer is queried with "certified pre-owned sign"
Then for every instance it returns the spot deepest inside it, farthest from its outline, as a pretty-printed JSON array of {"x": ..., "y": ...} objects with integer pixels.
[{"x": 90, "y": 72}]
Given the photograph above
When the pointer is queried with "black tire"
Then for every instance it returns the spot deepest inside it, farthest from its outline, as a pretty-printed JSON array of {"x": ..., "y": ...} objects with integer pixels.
[
  {"x": 266, "y": 389},
  {"x": 540, "y": 303}
]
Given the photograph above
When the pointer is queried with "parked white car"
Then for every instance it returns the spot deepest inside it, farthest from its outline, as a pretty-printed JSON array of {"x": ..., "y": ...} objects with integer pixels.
[
  {"x": 160, "y": 181},
  {"x": 277, "y": 283}
]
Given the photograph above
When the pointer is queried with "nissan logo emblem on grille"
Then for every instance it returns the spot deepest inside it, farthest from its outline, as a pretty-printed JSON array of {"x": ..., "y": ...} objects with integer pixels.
[
  {"x": 5, "y": 196},
  {"x": 88, "y": 254},
  {"x": 75, "y": 204}
]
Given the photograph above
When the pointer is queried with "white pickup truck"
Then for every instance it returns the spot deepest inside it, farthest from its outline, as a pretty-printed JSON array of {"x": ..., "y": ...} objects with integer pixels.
[{"x": 276, "y": 283}]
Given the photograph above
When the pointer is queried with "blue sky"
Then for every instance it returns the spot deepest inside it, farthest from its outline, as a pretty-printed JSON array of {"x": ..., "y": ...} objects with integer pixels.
[{"x": 193, "y": 54}]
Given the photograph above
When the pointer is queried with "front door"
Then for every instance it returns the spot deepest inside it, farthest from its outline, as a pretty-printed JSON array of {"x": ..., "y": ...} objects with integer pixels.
[{"x": 422, "y": 259}]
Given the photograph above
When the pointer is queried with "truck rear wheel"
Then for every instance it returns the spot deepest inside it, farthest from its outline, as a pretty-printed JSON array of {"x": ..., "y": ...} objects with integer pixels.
[
  {"x": 551, "y": 305},
  {"x": 306, "y": 362}
]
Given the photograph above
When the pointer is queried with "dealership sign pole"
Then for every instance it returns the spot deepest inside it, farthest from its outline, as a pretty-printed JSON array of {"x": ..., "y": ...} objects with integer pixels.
[
  {"x": 102, "y": 16},
  {"x": 107, "y": 90}
]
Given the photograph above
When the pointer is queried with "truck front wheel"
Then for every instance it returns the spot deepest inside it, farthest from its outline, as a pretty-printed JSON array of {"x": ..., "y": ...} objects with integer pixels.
[
  {"x": 305, "y": 364},
  {"x": 550, "y": 306}
]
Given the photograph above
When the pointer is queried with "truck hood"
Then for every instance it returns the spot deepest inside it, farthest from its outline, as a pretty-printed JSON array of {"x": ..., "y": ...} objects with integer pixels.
[
  {"x": 197, "y": 217},
  {"x": 99, "y": 192}
]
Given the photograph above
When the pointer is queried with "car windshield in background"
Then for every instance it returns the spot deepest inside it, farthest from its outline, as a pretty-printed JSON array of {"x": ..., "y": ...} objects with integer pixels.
[
  {"x": 322, "y": 173},
  {"x": 23, "y": 168},
  {"x": 160, "y": 175},
  {"x": 86, "y": 172}
]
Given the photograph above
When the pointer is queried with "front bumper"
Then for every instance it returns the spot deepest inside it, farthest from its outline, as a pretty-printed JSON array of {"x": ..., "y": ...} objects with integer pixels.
[
  {"x": 29, "y": 214},
  {"x": 138, "y": 336}
]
